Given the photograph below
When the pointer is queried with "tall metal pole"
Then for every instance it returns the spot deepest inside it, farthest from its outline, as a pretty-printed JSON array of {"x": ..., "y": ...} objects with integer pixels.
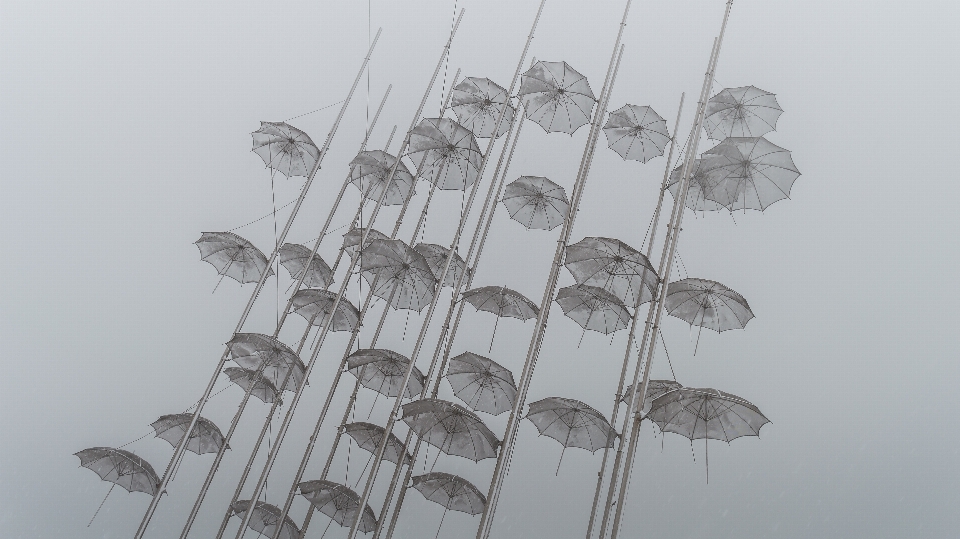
[
  {"x": 633, "y": 324},
  {"x": 181, "y": 447},
  {"x": 271, "y": 457},
  {"x": 672, "y": 241}
]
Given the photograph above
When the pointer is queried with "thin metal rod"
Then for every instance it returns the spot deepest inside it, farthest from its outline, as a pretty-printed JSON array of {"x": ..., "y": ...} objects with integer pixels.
[
  {"x": 506, "y": 448},
  {"x": 633, "y": 324},
  {"x": 181, "y": 447}
]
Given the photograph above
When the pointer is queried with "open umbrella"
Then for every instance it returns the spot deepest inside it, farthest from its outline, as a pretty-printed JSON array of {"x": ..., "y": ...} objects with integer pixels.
[
  {"x": 536, "y": 202},
  {"x": 481, "y": 383},
  {"x": 315, "y": 307},
  {"x": 747, "y": 111},
  {"x": 204, "y": 438},
  {"x": 445, "y": 153},
  {"x": 383, "y": 371},
  {"x": 749, "y": 173},
  {"x": 285, "y": 148},
  {"x": 636, "y": 133},
  {"x": 294, "y": 258},
  {"x": 265, "y": 519},
  {"x": 699, "y": 186},
  {"x": 120, "y": 468},
  {"x": 263, "y": 388},
  {"x": 256, "y": 351},
  {"x": 556, "y": 96},
  {"x": 477, "y": 104},
  {"x": 708, "y": 304},
  {"x": 572, "y": 423},
  {"x": 338, "y": 502},
  {"x": 368, "y": 436},
  {"x": 436, "y": 257},
  {"x": 501, "y": 301},
  {"x": 593, "y": 308},
  {"x": 452, "y": 492},
  {"x": 352, "y": 239},
  {"x": 369, "y": 171},
  {"x": 451, "y": 428},
  {"x": 233, "y": 256},
  {"x": 614, "y": 266},
  {"x": 402, "y": 275},
  {"x": 655, "y": 388}
]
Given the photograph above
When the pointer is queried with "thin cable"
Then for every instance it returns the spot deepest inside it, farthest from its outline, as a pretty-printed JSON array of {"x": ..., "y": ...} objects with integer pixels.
[
  {"x": 264, "y": 217},
  {"x": 318, "y": 110},
  {"x": 664, "y": 342}
]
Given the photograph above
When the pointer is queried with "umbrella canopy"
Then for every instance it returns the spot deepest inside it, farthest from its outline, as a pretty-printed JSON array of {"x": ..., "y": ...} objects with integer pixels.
[
  {"x": 556, "y": 96},
  {"x": 593, "y": 308},
  {"x": 655, "y": 388},
  {"x": 256, "y": 351},
  {"x": 315, "y": 307},
  {"x": 572, "y": 423},
  {"x": 369, "y": 171},
  {"x": 749, "y": 173},
  {"x": 265, "y": 519},
  {"x": 352, "y": 239},
  {"x": 263, "y": 388},
  {"x": 294, "y": 258},
  {"x": 436, "y": 257},
  {"x": 502, "y": 301},
  {"x": 747, "y": 111},
  {"x": 699, "y": 187},
  {"x": 707, "y": 304},
  {"x": 451, "y": 428},
  {"x": 614, "y": 266},
  {"x": 205, "y": 437},
  {"x": 233, "y": 256},
  {"x": 368, "y": 436},
  {"x": 445, "y": 153},
  {"x": 706, "y": 413},
  {"x": 121, "y": 468},
  {"x": 383, "y": 371},
  {"x": 402, "y": 275},
  {"x": 338, "y": 502},
  {"x": 477, "y": 104},
  {"x": 636, "y": 133},
  {"x": 536, "y": 202},
  {"x": 451, "y": 491},
  {"x": 285, "y": 148},
  {"x": 481, "y": 383}
]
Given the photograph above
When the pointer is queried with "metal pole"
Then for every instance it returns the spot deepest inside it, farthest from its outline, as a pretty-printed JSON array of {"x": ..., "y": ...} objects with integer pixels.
[{"x": 181, "y": 447}]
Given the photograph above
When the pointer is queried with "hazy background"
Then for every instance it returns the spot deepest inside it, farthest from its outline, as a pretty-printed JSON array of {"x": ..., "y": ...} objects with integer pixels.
[{"x": 126, "y": 134}]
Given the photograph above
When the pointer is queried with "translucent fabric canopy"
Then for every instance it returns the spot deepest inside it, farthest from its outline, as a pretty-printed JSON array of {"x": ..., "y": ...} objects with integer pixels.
[
  {"x": 481, "y": 383},
  {"x": 445, "y": 153},
  {"x": 572, "y": 423},
  {"x": 536, "y": 202},
  {"x": 121, "y": 468},
  {"x": 747, "y": 111},
  {"x": 256, "y": 351},
  {"x": 655, "y": 388},
  {"x": 263, "y": 388},
  {"x": 708, "y": 304},
  {"x": 451, "y": 428},
  {"x": 369, "y": 171},
  {"x": 477, "y": 103},
  {"x": 205, "y": 437},
  {"x": 383, "y": 371},
  {"x": 400, "y": 275},
  {"x": 294, "y": 258},
  {"x": 315, "y": 307},
  {"x": 266, "y": 518},
  {"x": 436, "y": 257},
  {"x": 233, "y": 256},
  {"x": 636, "y": 132},
  {"x": 614, "y": 266},
  {"x": 352, "y": 239},
  {"x": 501, "y": 301},
  {"x": 556, "y": 96},
  {"x": 593, "y": 308},
  {"x": 452, "y": 492},
  {"x": 339, "y": 503},
  {"x": 749, "y": 173},
  {"x": 368, "y": 436},
  {"x": 285, "y": 148},
  {"x": 699, "y": 187},
  {"x": 698, "y": 413}
]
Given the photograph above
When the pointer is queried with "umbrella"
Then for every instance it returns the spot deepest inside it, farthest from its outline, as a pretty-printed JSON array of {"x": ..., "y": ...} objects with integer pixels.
[
  {"x": 445, "y": 153},
  {"x": 204, "y": 438},
  {"x": 452, "y": 428},
  {"x": 436, "y": 256},
  {"x": 402, "y": 275},
  {"x": 572, "y": 423},
  {"x": 749, "y": 173},
  {"x": 501, "y": 301},
  {"x": 263, "y": 388},
  {"x": 294, "y": 257},
  {"x": 285, "y": 148},
  {"x": 120, "y": 468},
  {"x": 556, "y": 96},
  {"x": 383, "y": 371},
  {"x": 699, "y": 187},
  {"x": 265, "y": 518},
  {"x": 352, "y": 238},
  {"x": 655, "y": 388},
  {"x": 450, "y": 491},
  {"x": 477, "y": 104},
  {"x": 315, "y": 306},
  {"x": 338, "y": 502},
  {"x": 256, "y": 351},
  {"x": 368, "y": 436},
  {"x": 233, "y": 256},
  {"x": 636, "y": 133},
  {"x": 369, "y": 171},
  {"x": 481, "y": 383},
  {"x": 593, "y": 308},
  {"x": 706, "y": 413},
  {"x": 747, "y": 111},
  {"x": 614, "y": 266},
  {"x": 707, "y": 304},
  {"x": 536, "y": 202}
]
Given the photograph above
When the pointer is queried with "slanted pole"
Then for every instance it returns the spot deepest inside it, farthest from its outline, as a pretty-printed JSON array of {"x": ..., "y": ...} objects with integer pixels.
[{"x": 182, "y": 446}]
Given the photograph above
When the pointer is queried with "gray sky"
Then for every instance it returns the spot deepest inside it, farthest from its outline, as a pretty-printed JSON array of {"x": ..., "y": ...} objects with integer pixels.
[{"x": 128, "y": 135}]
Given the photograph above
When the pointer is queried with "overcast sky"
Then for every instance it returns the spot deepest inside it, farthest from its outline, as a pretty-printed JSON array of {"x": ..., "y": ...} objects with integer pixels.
[{"x": 127, "y": 135}]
